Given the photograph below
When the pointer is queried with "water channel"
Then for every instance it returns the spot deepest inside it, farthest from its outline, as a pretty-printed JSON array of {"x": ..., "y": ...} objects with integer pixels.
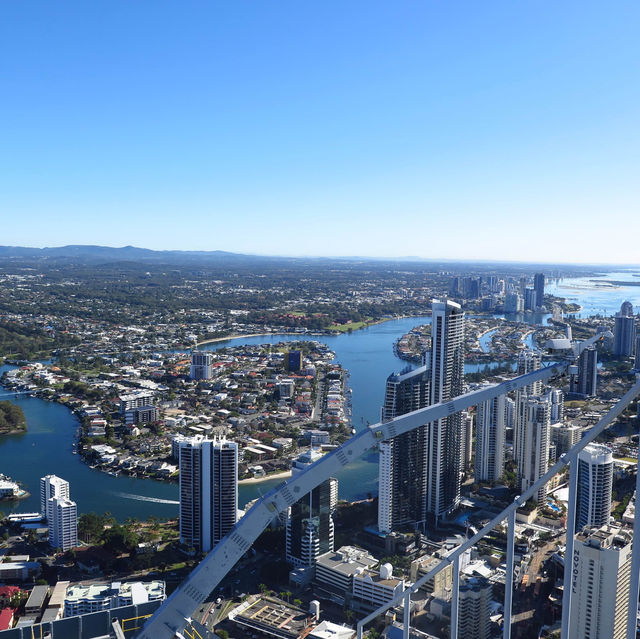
[{"x": 47, "y": 446}]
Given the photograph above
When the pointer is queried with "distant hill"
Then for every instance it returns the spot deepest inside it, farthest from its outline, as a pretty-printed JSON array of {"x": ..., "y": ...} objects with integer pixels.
[
  {"x": 88, "y": 253},
  {"x": 94, "y": 252}
]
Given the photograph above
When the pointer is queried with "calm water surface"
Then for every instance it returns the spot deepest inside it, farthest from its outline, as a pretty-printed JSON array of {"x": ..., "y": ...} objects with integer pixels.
[{"x": 367, "y": 354}]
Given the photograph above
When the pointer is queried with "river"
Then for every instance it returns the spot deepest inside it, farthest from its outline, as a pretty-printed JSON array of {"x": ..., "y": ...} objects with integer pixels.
[{"x": 47, "y": 447}]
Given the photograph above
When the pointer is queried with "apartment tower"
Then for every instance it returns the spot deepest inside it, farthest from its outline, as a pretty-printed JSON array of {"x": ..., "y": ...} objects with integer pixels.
[
  {"x": 51, "y": 486},
  {"x": 208, "y": 490},
  {"x": 600, "y": 582},
  {"x": 595, "y": 481},
  {"x": 490, "y": 440}
]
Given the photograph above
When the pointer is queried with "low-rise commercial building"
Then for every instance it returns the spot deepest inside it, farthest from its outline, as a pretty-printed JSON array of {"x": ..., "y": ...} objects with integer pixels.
[{"x": 80, "y": 599}]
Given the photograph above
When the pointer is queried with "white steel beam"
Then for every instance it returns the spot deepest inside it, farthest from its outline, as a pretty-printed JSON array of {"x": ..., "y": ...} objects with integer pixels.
[
  {"x": 634, "y": 585},
  {"x": 455, "y": 598},
  {"x": 568, "y": 553},
  {"x": 508, "y": 582}
]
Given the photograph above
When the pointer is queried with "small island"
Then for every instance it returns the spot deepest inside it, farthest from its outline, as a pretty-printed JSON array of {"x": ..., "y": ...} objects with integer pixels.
[{"x": 12, "y": 419}]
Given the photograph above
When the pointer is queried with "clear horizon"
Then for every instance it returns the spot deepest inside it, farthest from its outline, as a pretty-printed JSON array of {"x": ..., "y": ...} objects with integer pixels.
[{"x": 503, "y": 132}]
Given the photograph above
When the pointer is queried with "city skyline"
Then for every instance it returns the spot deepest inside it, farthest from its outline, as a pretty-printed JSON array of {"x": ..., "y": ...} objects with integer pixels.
[{"x": 323, "y": 130}]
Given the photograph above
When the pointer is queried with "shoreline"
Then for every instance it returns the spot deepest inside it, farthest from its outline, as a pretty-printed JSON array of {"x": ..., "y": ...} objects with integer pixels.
[
  {"x": 285, "y": 474},
  {"x": 312, "y": 333}
]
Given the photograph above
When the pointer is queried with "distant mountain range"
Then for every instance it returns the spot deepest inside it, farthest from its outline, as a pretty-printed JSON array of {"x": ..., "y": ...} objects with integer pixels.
[
  {"x": 88, "y": 251},
  {"x": 93, "y": 253}
]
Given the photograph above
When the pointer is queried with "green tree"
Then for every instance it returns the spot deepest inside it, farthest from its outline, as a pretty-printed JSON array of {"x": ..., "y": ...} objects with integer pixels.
[
  {"x": 120, "y": 539},
  {"x": 90, "y": 526}
]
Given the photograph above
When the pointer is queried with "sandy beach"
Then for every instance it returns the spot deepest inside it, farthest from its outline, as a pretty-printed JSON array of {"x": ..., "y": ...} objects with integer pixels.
[{"x": 285, "y": 474}]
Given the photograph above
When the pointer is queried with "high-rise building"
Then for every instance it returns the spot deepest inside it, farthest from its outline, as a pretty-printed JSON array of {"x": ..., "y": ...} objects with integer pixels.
[
  {"x": 565, "y": 437},
  {"x": 626, "y": 309},
  {"x": 490, "y": 440},
  {"x": 595, "y": 481},
  {"x": 208, "y": 490},
  {"x": 201, "y": 365},
  {"x": 585, "y": 382},
  {"x": 636, "y": 365},
  {"x": 528, "y": 362},
  {"x": 51, "y": 486},
  {"x": 293, "y": 361},
  {"x": 420, "y": 473},
  {"x": 510, "y": 419},
  {"x": 533, "y": 443},
  {"x": 538, "y": 287},
  {"x": 600, "y": 583},
  {"x": 63, "y": 523},
  {"x": 310, "y": 530},
  {"x": 513, "y": 303},
  {"x": 467, "y": 440},
  {"x": 444, "y": 472},
  {"x": 556, "y": 397},
  {"x": 474, "y": 608},
  {"x": 624, "y": 331},
  {"x": 402, "y": 463},
  {"x": 530, "y": 299}
]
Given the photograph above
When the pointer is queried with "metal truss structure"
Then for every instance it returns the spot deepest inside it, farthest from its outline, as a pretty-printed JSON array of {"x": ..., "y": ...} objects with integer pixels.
[{"x": 171, "y": 618}]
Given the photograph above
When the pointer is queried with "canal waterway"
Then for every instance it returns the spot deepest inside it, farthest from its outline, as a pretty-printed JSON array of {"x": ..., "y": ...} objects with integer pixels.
[{"x": 47, "y": 446}]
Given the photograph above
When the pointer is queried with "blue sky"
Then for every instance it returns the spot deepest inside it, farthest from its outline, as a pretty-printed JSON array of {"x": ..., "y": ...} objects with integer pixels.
[{"x": 438, "y": 129}]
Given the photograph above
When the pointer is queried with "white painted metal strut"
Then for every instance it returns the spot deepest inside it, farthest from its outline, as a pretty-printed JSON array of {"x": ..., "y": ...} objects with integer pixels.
[
  {"x": 634, "y": 585},
  {"x": 171, "y": 616},
  {"x": 564, "y": 460},
  {"x": 508, "y": 582},
  {"x": 568, "y": 551}
]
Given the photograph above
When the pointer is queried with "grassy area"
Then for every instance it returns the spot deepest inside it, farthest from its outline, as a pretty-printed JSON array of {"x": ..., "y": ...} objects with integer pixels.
[
  {"x": 633, "y": 460},
  {"x": 353, "y": 326}
]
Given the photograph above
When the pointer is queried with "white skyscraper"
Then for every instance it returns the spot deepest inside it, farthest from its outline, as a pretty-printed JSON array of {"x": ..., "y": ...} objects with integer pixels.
[
  {"x": 420, "y": 473},
  {"x": 534, "y": 439},
  {"x": 51, "y": 486},
  {"x": 63, "y": 523},
  {"x": 595, "y": 480},
  {"x": 490, "y": 439},
  {"x": 444, "y": 437},
  {"x": 528, "y": 361},
  {"x": 600, "y": 575},
  {"x": 208, "y": 490},
  {"x": 556, "y": 397}
]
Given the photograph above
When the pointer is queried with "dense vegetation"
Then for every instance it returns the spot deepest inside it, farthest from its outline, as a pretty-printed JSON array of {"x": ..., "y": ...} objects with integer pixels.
[
  {"x": 25, "y": 342},
  {"x": 11, "y": 418}
]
